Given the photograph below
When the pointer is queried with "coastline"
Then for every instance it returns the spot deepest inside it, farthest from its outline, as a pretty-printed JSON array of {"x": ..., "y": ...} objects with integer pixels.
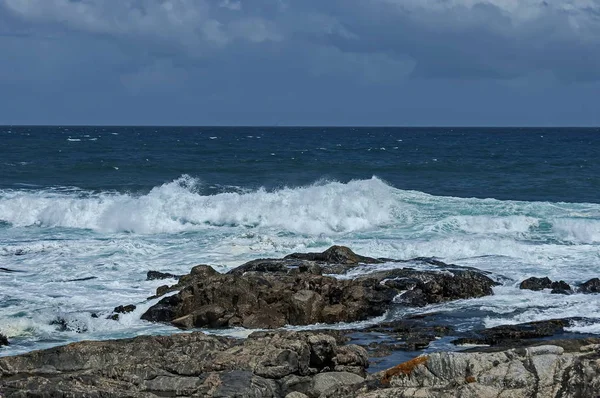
[{"x": 394, "y": 358}]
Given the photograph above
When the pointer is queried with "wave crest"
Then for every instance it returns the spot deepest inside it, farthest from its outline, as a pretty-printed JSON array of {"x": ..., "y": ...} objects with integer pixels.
[{"x": 178, "y": 206}]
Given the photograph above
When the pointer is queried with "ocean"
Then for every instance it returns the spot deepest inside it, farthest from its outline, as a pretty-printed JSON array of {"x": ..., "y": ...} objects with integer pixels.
[{"x": 85, "y": 212}]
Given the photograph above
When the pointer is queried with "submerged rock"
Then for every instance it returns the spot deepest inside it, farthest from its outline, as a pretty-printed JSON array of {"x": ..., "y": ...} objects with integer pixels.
[{"x": 195, "y": 364}]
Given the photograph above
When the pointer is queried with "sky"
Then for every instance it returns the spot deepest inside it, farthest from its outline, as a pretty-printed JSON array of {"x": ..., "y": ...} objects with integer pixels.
[{"x": 300, "y": 62}]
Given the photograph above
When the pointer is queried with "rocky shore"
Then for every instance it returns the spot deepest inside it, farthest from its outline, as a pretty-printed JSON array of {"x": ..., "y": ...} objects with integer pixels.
[{"x": 536, "y": 359}]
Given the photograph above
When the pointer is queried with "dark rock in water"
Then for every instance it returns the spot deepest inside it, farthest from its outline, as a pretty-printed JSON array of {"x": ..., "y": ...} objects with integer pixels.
[
  {"x": 407, "y": 334},
  {"x": 256, "y": 300},
  {"x": 8, "y": 270},
  {"x": 336, "y": 255},
  {"x": 113, "y": 317},
  {"x": 282, "y": 266},
  {"x": 87, "y": 278},
  {"x": 124, "y": 309},
  {"x": 64, "y": 325},
  {"x": 423, "y": 287},
  {"x": 534, "y": 283},
  {"x": 513, "y": 335},
  {"x": 591, "y": 286},
  {"x": 153, "y": 275},
  {"x": 194, "y": 364},
  {"x": 3, "y": 340},
  {"x": 269, "y": 300}
]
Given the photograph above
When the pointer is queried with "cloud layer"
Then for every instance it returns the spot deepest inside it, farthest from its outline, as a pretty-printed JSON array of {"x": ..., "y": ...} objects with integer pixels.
[
  {"x": 445, "y": 38},
  {"x": 227, "y": 48}
]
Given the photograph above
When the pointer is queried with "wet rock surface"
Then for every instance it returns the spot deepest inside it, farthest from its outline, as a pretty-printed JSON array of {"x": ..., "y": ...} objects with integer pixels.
[
  {"x": 3, "y": 340},
  {"x": 537, "y": 284},
  {"x": 154, "y": 275},
  {"x": 195, "y": 364},
  {"x": 516, "y": 335},
  {"x": 295, "y": 364},
  {"x": 591, "y": 286},
  {"x": 294, "y": 291}
]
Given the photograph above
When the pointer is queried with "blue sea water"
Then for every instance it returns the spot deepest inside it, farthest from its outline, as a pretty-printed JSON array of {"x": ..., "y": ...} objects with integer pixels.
[{"x": 114, "y": 202}]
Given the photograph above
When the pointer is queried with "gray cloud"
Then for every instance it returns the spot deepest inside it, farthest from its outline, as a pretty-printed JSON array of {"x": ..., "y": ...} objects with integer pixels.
[
  {"x": 351, "y": 61},
  {"x": 449, "y": 38}
]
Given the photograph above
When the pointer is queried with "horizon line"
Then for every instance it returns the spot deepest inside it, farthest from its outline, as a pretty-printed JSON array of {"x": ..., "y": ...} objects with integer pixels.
[{"x": 305, "y": 126}]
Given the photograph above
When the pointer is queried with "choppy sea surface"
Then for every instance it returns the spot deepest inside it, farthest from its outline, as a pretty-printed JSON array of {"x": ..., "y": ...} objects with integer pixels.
[{"x": 85, "y": 212}]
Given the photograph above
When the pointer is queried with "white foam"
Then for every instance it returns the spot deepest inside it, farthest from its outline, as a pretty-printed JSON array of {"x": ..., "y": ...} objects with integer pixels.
[
  {"x": 60, "y": 234},
  {"x": 177, "y": 207}
]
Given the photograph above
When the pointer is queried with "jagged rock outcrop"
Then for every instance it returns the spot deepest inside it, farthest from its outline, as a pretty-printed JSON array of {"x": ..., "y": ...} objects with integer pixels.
[
  {"x": 533, "y": 283},
  {"x": 153, "y": 275},
  {"x": 295, "y": 365},
  {"x": 273, "y": 296},
  {"x": 591, "y": 286},
  {"x": 557, "y": 369},
  {"x": 261, "y": 300},
  {"x": 195, "y": 364}
]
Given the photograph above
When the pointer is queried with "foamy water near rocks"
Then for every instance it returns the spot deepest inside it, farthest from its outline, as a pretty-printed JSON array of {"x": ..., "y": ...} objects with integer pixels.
[{"x": 300, "y": 289}]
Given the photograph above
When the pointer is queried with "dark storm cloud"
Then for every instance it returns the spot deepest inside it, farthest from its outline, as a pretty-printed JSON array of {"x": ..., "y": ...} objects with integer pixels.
[{"x": 305, "y": 60}]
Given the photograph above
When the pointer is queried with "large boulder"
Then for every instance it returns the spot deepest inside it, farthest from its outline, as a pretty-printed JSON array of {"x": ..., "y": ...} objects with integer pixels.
[
  {"x": 273, "y": 299},
  {"x": 258, "y": 300},
  {"x": 264, "y": 365}
]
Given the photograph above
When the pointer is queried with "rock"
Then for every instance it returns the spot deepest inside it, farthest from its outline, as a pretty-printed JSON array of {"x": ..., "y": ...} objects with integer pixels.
[
  {"x": 430, "y": 287},
  {"x": 324, "y": 382},
  {"x": 124, "y": 309},
  {"x": 153, "y": 275},
  {"x": 296, "y": 394},
  {"x": 70, "y": 325},
  {"x": 514, "y": 335},
  {"x": 406, "y": 334},
  {"x": 191, "y": 364},
  {"x": 270, "y": 300},
  {"x": 335, "y": 255},
  {"x": 283, "y": 266},
  {"x": 533, "y": 372},
  {"x": 591, "y": 286},
  {"x": 3, "y": 340},
  {"x": 533, "y": 283}
]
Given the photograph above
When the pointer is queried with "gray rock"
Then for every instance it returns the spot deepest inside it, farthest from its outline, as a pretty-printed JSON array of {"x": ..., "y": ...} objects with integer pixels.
[
  {"x": 272, "y": 293},
  {"x": 591, "y": 286},
  {"x": 324, "y": 382},
  {"x": 267, "y": 364},
  {"x": 545, "y": 371}
]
